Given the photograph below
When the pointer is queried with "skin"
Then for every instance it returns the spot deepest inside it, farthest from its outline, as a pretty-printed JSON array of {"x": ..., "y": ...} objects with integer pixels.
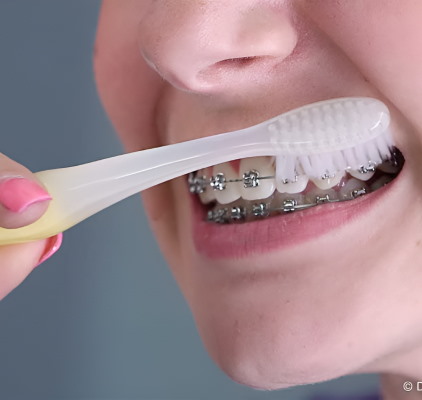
[
  {"x": 342, "y": 303},
  {"x": 345, "y": 302},
  {"x": 19, "y": 260}
]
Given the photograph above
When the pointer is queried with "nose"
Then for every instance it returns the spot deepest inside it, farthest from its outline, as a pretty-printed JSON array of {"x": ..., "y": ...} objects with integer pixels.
[{"x": 215, "y": 45}]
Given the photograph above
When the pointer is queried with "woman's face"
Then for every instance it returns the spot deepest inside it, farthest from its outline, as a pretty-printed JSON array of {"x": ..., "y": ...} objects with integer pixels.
[{"x": 290, "y": 299}]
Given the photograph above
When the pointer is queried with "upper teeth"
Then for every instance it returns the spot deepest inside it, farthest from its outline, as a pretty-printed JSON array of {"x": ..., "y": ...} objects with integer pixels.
[
  {"x": 257, "y": 179},
  {"x": 232, "y": 189},
  {"x": 296, "y": 186},
  {"x": 253, "y": 187},
  {"x": 327, "y": 182}
]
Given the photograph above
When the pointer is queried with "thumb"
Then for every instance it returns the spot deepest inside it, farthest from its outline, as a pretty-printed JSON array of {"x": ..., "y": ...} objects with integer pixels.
[{"x": 23, "y": 199}]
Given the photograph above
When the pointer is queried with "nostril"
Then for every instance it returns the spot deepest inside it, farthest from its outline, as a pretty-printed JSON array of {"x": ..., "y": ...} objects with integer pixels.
[
  {"x": 235, "y": 62},
  {"x": 235, "y": 71}
]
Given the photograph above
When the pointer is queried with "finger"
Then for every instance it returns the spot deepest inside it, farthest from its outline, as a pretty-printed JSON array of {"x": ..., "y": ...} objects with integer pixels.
[
  {"x": 23, "y": 199},
  {"x": 18, "y": 261}
]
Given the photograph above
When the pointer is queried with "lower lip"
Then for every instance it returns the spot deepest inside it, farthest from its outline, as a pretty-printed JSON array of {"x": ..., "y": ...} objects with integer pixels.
[{"x": 223, "y": 241}]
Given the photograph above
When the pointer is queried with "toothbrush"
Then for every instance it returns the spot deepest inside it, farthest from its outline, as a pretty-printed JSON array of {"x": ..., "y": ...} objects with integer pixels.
[{"x": 320, "y": 138}]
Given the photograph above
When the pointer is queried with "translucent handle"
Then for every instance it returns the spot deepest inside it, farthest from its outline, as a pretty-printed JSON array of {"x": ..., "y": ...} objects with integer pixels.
[{"x": 81, "y": 191}]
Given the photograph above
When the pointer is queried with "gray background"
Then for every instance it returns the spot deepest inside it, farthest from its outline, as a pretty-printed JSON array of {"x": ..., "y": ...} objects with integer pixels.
[{"x": 102, "y": 319}]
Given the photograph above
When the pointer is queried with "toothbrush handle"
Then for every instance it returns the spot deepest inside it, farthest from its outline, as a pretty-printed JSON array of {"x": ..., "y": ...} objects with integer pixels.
[{"x": 81, "y": 191}]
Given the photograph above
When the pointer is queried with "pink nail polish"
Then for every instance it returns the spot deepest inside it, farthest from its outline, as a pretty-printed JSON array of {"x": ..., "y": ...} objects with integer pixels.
[
  {"x": 52, "y": 246},
  {"x": 17, "y": 194}
]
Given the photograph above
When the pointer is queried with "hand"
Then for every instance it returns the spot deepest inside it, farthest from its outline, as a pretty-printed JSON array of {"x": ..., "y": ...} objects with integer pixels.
[{"x": 23, "y": 200}]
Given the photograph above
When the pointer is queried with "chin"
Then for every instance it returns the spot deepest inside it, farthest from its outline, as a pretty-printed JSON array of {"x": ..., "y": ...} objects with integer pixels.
[
  {"x": 265, "y": 336},
  {"x": 264, "y": 350}
]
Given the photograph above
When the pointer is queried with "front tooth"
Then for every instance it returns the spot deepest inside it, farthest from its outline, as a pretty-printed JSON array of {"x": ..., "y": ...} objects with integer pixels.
[
  {"x": 299, "y": 185},
  {"x": 329, "y": 182},
  {"x": 347, "y": 192},
  {"x": 359, "y": 174},
  {"x": 265, "y": 187},
  {"x": 231, "y": 192}
]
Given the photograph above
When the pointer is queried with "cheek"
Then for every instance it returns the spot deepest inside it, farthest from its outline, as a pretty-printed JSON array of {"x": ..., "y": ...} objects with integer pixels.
[
  {"x": 129, "y": 91},
  {"x": 128, "y": 88},
  {"x": 384, "y": 39}
]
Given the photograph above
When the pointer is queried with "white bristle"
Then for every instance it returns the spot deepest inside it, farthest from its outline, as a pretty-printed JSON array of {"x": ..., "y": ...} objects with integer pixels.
[
  {"x": 361, "y": 154},
  {"x": 306, "y": 165},
  {"x": 339, "y": 160},
  {"x": 285, "y": 168},
  {"x": 317, "y": 165},
  {"x": 329, "y": 164},
  {"x": 373, "y": 152},
  {"x": 384, "y": 145},
  {"x": 350, "y": 157}
]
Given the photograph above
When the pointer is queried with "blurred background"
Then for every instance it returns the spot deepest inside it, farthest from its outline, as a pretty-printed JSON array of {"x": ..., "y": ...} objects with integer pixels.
[{"x": 103, "y": 318}]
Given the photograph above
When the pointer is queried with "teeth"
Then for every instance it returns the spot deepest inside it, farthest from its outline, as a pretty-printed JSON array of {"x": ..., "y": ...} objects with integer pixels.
[
  {"x": 389, "y": 167},
  {"x": 237, "y": 213},
  {"x": 297, "y": 186},
  {"x": 260, "y": 209},
  {"x": 219, "y": 215},
  {"x": 202, "y": 187},
  {"x": 379, "y": 183},
  {"x": 285, "y": 168},
  {"x": 261, "y": 189},
  {"x": 207, "y": 196},
  {"x": 352, "y": 189},
  {"x": 231, "y": 191},
  {"x": 250, "y": 168},
  {"x": 251, "y": 194},
  {"x": 364, "y": 173},
  {"x": 281, "y": 199},
  {"x": 321, "y": 196},
  {"x": 362, "y": 176},
  {"x": 218, "y": 181},
  {"x": 329, "y": 181}
]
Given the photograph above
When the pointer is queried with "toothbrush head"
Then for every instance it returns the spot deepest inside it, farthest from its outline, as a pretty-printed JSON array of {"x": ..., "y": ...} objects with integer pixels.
[{"x": 323, "y": 138}]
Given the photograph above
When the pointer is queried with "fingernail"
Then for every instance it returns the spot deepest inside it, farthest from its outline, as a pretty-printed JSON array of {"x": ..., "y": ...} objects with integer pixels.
[
  {"x": 52, "y": 246},
  {"x": 17, "y": 194}
]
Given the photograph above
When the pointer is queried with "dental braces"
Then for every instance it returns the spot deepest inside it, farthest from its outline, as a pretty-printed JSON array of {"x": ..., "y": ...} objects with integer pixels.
[
  {"x": 251, "y": 179},
  {"x": 262, "y": 209}
]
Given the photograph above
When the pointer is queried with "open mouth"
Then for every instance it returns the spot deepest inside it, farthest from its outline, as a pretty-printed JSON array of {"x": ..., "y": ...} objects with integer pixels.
[{"x": 247, "y": 190}]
